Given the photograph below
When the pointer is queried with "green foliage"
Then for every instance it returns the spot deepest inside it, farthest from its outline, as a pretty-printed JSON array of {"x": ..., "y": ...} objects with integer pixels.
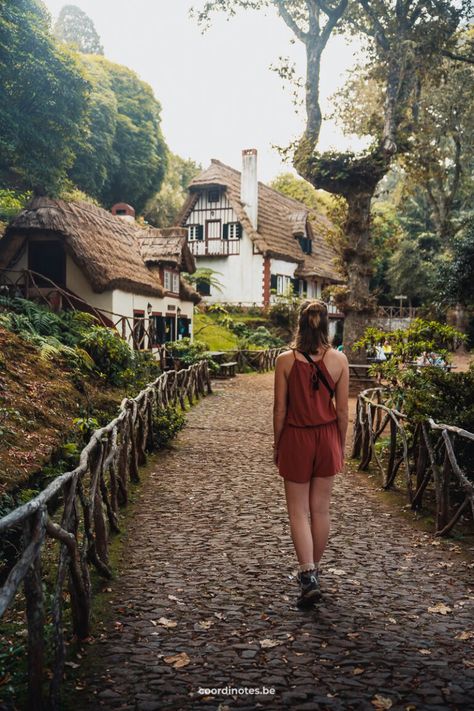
[
  {"x": 284, "y": 313},
  {"x": 166, "y": 425},
  {"x": 11, "y": 202},
  {"x": 162, "y": 209},
  {"x": 408, "y": 344},
  {"x": 454, "y": 277},
  {"x": 112, "y": 356},
  {"x": 204, "y": 276},
  {"x": 85, "y": 426},
  {"x": 446, "y": 397},
  {"x": 95, "y": 160},
  {"x": 187, "y": 351},
  {"x": 77, "y": 29},
  {"x": 299, "y": 189},
  {"x": 43, "y": 98},
  {"x": 140, "y": 153},
  {"x": 247, "y": 336}
]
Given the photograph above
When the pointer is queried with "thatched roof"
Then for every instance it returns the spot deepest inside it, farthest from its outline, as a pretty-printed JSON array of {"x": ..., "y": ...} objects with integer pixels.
[
  {"x": 187, "y": 292},
  {"x": 280, "y": 221},
  {"x": 167, "y": 246},
  {"x": 105, "y": 247}
]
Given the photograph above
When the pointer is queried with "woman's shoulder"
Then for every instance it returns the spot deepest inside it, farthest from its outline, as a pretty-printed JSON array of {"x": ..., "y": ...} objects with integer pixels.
[
  {"x": 286, "y": 355},
  {"x": 335, "y": 355}
]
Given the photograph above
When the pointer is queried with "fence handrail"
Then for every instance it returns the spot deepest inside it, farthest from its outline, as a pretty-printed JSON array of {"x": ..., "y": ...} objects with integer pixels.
[{"x": 422, "y": 458}]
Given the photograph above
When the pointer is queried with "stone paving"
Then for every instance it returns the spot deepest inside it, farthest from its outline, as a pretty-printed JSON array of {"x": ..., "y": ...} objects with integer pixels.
[{"x": 205, "y": 596}]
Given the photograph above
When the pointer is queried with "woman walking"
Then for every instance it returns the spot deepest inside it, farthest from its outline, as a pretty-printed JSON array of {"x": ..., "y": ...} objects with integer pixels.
[{"x": 309, "y": 436}]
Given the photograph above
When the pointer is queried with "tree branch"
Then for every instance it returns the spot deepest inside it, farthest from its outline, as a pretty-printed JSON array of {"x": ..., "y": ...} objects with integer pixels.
[
  {"x": 379, "y": 31},
  {"x": 457, "y": 57},
  {"x": 288, "y": 19},
  {"x": 333, "y": 18}
]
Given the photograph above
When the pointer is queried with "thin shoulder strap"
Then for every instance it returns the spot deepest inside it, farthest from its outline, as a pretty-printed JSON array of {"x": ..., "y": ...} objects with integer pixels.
[
  {"x": 321, "y": 375},
  {"x": 294, "y": 353},
  {"x": 326, "y": 350}
]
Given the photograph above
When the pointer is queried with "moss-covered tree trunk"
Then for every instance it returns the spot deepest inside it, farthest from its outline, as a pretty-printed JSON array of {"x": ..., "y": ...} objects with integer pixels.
[{"x": 359, "y": 305}]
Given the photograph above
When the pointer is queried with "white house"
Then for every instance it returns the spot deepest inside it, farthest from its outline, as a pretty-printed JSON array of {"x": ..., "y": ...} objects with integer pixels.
[
  {"x": 76, "y": 255},
  {"x": 262, "y": 242}
]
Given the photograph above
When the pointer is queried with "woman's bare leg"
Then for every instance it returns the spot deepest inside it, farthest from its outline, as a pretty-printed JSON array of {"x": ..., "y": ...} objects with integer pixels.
[
  {"x": 319, "y": 501},
  {"x": 297, "y": 501}
]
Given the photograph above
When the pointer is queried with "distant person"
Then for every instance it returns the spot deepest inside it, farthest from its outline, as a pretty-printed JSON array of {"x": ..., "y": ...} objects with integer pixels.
[
  {"x": 380, "y": 356},
  {"x": 387, "y": 349},
  {"x": 309, "y": 436}
]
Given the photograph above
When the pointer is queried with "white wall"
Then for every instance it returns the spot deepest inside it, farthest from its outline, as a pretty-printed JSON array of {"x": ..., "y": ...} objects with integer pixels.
[{"x": 241, "y": 275}]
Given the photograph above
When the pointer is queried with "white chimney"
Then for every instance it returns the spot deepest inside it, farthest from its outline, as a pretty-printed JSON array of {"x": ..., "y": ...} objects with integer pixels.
[{"x": 249, "y": 184}]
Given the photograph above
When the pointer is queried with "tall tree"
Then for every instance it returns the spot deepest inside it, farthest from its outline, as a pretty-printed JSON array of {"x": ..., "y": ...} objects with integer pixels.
[
  {"x": 76, "y": 28},
  {"x": 43, "y": 98},
  {"x": 95, "y": 160},
  {"x": 139, "y": 149},
  {"x": 161, "y": 209},
  {"x": 405, "y": 37}
]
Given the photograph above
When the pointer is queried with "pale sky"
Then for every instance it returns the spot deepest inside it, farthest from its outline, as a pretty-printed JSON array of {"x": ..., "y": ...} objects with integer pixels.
[{"x": 217, "y": 91}]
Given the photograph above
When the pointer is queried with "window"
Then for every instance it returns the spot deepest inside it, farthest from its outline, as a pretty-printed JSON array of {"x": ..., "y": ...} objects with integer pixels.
[
  {"x": 283, "y": 285},
  {"x": 195, "y": 232},
  {"x": 171, "y": 281},
  {"x": 232, "y": 230},
  {"x": 157, "y": 330},
  {"x": 175, "y": 283},
  {"x": 213, "y": 196},
  {"x": 49, "y": 260},
  {"x": 203, "y": 287},
  {"x": 306, "y": 244}
]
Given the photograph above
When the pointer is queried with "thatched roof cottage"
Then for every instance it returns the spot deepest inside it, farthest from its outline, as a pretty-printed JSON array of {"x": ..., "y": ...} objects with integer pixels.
[
  {"x": 74, "y": 253},
  {"x": 263, "y": 243}
]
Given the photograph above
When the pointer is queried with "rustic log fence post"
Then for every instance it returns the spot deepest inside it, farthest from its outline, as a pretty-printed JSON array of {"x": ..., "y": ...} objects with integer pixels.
[{"x": 422, "y": 460}]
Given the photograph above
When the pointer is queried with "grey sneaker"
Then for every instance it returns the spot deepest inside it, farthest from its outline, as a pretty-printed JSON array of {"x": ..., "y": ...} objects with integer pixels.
[{"x": 309, "y": 587}]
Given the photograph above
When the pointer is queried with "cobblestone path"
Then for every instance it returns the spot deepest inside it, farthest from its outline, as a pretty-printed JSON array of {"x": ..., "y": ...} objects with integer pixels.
[{"x": 208, "y": 572}]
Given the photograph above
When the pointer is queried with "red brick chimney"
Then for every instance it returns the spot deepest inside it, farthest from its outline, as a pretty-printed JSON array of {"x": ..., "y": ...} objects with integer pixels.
[{"x": 126, "y": 212}]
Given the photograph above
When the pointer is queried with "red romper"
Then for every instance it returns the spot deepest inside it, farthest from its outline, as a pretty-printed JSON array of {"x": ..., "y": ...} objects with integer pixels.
[{"x": 310, "y": 443}]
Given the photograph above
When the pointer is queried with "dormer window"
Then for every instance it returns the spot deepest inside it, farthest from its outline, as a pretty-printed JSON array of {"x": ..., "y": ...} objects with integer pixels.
[
  {"x": 171, "y": 281},
  {"x": 213, "y": 196},
  {"x": 306, "y": 244}
]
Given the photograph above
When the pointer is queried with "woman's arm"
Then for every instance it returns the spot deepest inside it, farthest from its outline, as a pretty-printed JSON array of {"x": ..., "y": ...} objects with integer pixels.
[
  {"x": 342, "y": 400},
  {"x": 280, "y": 400}
]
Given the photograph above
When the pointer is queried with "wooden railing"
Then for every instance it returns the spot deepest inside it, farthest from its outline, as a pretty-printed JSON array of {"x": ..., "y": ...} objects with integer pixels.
[
  {"x": 88, "y": 500},
  {"x": 427, "y": 454},
  {"x": 257, "y": 360},
  {"x": 393, "y": 312},
  {"x": 138, "y": 332}
]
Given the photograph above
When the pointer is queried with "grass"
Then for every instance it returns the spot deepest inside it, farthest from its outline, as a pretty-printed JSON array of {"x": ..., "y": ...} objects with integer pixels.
[{"x": 216, "y": 337}]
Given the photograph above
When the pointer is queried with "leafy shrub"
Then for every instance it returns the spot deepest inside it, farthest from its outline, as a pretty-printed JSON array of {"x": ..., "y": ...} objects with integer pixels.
[
  {"x": 259, "y": 336},
  {"x": 408, "y": 344},
  {"x": 187, "y": 351},
  {"x": 166, "y": 426},
  {"x": 284, "y": 313},
  {"x": 111, "y": 354}
]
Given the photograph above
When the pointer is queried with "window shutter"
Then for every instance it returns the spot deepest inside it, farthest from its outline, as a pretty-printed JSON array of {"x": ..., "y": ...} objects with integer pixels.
[
  {"x": 305, "y": 286},
  {"x": 273, "y": 281},
  {"x": 225, "y": 230},
  {"x": 310, "y": 245},
  {"x": 239, "y": 230},
  {"x": 203, "y": 287},
  {"x": 200, "y": 232},
  {"x": 296, "y": 285}
]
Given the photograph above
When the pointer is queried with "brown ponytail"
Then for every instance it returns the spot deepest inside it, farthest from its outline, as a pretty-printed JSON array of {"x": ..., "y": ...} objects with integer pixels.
[{"x": 312, "y": 328}]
